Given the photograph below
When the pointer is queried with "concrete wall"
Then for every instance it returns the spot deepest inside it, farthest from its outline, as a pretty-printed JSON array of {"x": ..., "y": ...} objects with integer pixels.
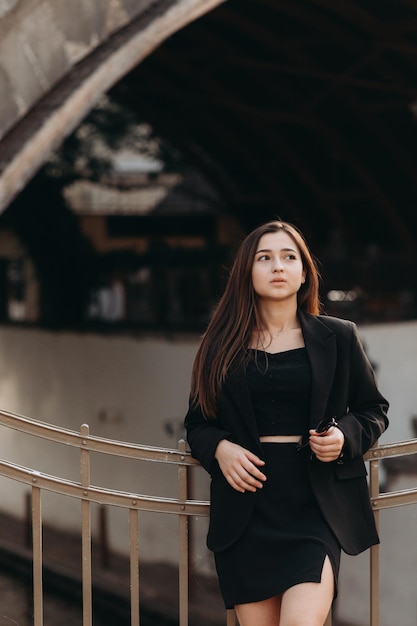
[
  {"x": 393, "y": 349},
  {"x": 136, "y": 389},
  {"x": 129, "y": 389},
  {"x": 40, "y": 41},
  {"x": 398, "y": 567}
]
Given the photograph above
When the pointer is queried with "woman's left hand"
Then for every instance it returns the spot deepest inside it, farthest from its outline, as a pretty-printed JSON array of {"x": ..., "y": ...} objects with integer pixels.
[{"x": 327, "y": 447}]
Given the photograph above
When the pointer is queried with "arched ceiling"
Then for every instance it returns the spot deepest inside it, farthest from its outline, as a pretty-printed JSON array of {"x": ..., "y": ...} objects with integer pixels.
[{"x": 306, "y": 109}]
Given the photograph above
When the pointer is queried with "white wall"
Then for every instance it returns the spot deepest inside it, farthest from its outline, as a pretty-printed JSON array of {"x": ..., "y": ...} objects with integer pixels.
[
  {"x": 398, "y": 567},
  {"x": 124, "y": 388},
  {"x": 392, "y": 348}
]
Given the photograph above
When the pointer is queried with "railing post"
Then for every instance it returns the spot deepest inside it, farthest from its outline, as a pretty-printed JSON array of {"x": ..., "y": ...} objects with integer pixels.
[
  {"x": 28, "y": 520},
  {"x": 183, "y": 538},
  {"x": 134, "y": 567},
  {"x": 374, "y": 557},
  {"x": 86, "y": 531},
  {"x": 37, "y": 554}
]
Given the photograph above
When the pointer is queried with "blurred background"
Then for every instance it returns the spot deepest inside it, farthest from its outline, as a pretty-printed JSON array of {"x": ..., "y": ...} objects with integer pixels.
[{"x": 140, "y": 142}]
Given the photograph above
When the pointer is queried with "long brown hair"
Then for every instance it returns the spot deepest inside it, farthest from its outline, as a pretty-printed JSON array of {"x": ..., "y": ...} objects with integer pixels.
[{"x": 229, "y": 333}]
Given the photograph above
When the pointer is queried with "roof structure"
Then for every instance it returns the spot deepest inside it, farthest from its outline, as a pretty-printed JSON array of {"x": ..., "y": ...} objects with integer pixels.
[{"x": 300, "y": 109}]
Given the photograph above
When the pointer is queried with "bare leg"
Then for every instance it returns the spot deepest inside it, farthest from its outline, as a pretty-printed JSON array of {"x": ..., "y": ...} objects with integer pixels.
[
  {"x": 264, "y": 613},
  {"x": 308, "y": 604}
]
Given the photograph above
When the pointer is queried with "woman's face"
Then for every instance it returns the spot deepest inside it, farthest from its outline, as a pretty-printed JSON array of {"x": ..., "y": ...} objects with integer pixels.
[{"x": 277, "y": 270}]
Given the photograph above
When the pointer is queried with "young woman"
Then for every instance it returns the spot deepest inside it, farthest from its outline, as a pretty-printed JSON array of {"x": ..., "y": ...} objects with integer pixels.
[{"x": 283, "y": 406}]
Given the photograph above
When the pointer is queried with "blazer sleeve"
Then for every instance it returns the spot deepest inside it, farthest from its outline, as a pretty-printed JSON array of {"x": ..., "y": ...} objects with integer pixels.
[
  {"x": 366, "y": 418},
  {"x": 203, "y": 436}
]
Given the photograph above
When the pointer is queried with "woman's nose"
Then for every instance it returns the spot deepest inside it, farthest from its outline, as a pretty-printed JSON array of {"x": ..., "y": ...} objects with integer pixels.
[{"x": 277, "y": 266}]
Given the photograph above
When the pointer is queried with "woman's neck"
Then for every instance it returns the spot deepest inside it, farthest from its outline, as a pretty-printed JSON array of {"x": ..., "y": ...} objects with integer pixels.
[
  {"x": 280, "y": 330},
  {"x": 279, "y": 319}
]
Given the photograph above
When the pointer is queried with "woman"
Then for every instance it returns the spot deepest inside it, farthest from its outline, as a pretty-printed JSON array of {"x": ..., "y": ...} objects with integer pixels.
[{"x": 271, "y": 371}]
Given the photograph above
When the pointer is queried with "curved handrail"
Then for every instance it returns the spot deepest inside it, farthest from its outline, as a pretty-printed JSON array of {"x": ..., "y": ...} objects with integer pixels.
[
  {"x": 87, "y": 442},
  {"x": 390, "y": 450},
  {"x": 114, "y": 447},
  {"x": 92, "y": 443},
  {"x": 183, "y": 505},
  {"x": 101, "y": 495}
]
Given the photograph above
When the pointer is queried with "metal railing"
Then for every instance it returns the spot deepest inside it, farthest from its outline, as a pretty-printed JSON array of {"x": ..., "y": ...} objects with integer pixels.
[
  {"x": 182, "y": 506},
  {"x": 384, "y": 501}
]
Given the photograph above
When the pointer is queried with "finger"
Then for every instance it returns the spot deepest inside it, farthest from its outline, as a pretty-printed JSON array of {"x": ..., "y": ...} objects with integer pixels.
[
  {"x": 250, "y": 479},
  {"x": 235, "y": 486},
  {"x": 254, "y": 459},
  {"x": 325, "y": 459},
  {"x": 241, "y": 484},
  {"x": 234, "y": 479},
  {"x": 251, "y": 464},
  {"x": 326, "y": 452},
  {"x": 245, "y": 478},
  {"x": 254, "y": 472},
  {"x": 324, "y": 444},
  {"x": 324, "y": 440}
]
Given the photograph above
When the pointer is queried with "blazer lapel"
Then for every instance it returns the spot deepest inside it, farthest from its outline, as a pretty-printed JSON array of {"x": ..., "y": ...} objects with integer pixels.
[{"x": 320, "y": 344}]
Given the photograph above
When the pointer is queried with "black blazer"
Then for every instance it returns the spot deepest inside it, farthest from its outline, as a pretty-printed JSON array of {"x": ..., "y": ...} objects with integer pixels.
[{"x": 343, "y": 386}]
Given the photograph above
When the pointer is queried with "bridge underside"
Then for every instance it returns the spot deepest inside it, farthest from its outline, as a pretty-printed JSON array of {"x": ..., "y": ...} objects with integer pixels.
[{"x": 302, "y": 109}]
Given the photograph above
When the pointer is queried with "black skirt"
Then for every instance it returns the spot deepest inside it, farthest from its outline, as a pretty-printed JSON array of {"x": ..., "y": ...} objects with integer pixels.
[{"x": 287, "y": 538}]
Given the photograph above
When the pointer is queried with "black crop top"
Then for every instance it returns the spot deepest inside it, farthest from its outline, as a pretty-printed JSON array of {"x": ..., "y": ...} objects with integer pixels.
[{"x": 280, "y": 389}]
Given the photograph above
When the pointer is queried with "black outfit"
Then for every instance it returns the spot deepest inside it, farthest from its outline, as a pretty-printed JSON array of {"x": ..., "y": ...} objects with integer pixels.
[
  {"x": 287, "y": 537},
  {"x": 342, "y": 386},
  {"x": 280, "y": 390}
]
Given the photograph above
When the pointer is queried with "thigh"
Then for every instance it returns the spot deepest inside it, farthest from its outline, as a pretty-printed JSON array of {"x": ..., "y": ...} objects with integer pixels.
[
  {"x": 263, "y": 613},
  {"x": 308, "y": 604}
]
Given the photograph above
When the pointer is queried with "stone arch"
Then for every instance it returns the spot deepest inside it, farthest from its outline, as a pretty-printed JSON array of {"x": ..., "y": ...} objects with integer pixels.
[{"x": 61, "y": 107}]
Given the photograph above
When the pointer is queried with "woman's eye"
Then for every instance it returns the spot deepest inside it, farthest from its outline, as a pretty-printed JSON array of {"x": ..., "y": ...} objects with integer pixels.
[
  {"x": 263, "y": 257},
  {"x": 291, "y": 257}
]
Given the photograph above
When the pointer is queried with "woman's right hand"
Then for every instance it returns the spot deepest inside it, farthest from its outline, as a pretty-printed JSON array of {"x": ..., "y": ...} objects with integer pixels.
[{"x": 239, "y": 466}]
